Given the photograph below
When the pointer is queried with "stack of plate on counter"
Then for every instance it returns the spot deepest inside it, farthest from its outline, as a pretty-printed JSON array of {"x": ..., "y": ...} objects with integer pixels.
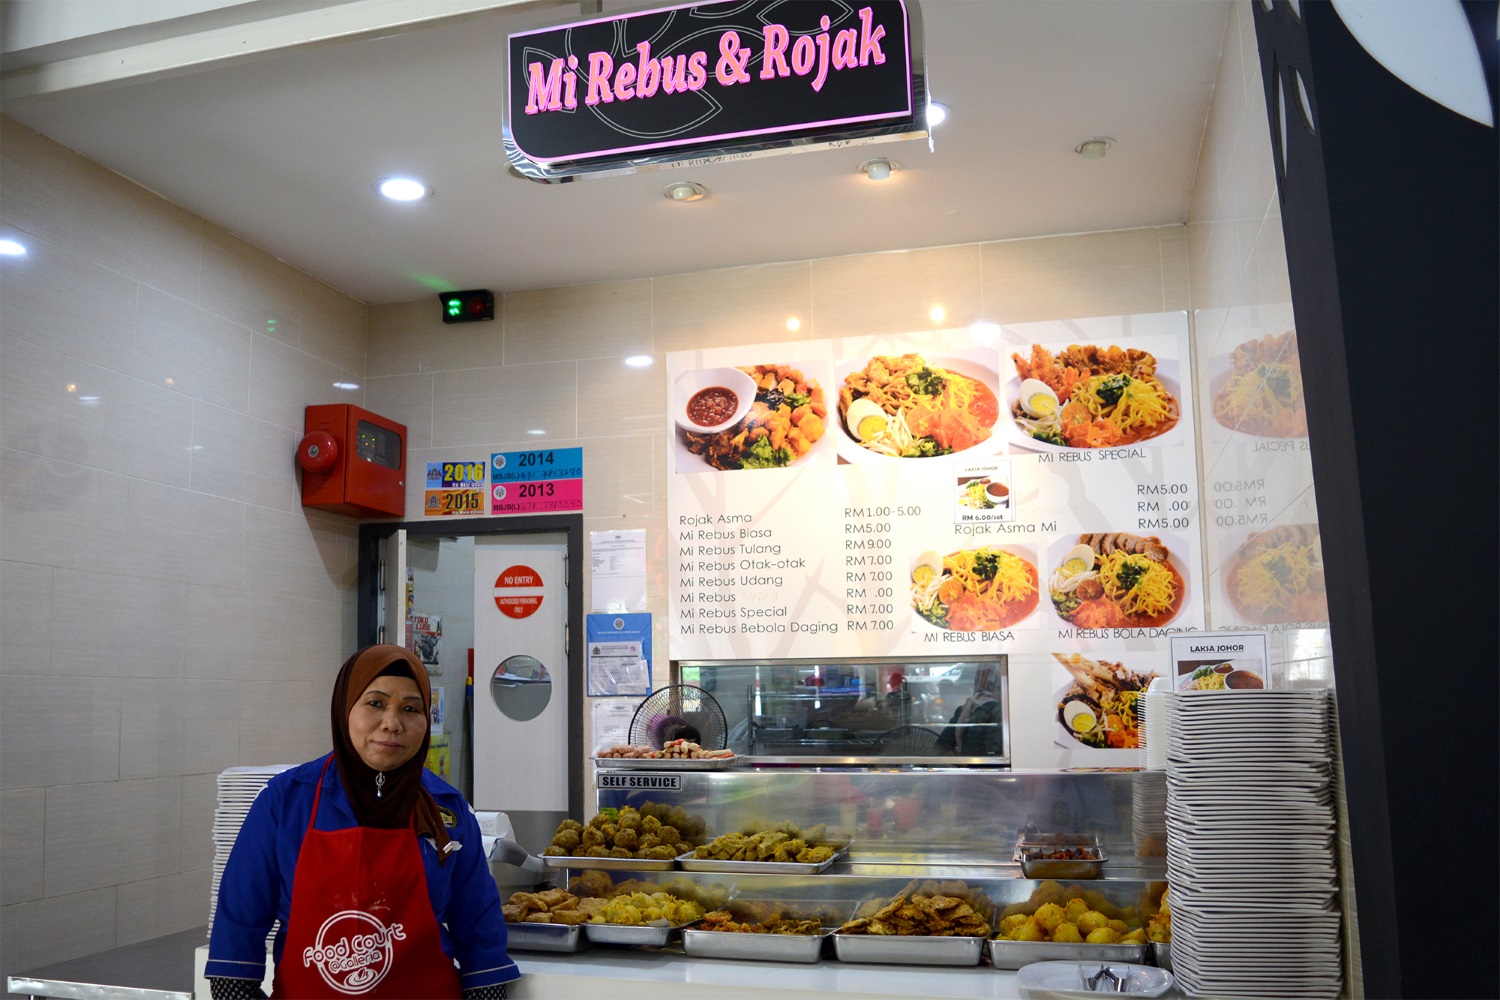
[
  {"x": 238, "y": 787},
  {"x": 1250, "y": 844}
]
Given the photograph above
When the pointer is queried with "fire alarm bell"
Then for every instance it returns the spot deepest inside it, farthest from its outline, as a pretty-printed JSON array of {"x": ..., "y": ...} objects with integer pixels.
[{"x": 353, "y": 462}]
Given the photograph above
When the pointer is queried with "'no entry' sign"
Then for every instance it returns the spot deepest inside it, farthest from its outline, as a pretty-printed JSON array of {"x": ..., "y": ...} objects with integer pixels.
[{"x": 518, "y": 591}]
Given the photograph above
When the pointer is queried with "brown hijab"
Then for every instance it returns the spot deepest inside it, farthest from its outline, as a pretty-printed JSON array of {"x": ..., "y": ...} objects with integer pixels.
[{"x": 402, "y": 795}]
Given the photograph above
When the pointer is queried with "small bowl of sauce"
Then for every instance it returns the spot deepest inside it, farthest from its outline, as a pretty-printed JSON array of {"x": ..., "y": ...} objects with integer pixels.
[
  {"x": 999, "y": 492},
  {"x": 712, "y": 400}
]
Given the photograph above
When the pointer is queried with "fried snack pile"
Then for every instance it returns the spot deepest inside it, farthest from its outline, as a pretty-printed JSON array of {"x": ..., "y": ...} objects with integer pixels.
[
  {"x": 1159, "y": 927},
  {"x": 672, "y": 749},
  {"x": 723, "y": 920},
  {"x": 930, "y": 909},
  {"x": 554, "y": 906},
  {"x": 768, "y": 845},
  {"x": 655, "y": 832},
  {"x": 640, "y": 909},
  {"x": 1073, "y": 915}
]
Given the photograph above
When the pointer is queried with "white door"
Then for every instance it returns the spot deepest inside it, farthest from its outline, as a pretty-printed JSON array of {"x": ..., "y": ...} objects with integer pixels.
[
  {"x": 521, "y": 673},
  {"x": 390, "y": 610}
]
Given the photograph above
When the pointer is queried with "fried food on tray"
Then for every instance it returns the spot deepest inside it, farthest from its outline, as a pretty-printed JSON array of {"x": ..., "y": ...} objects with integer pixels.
[
  {"x": 640, "y": 909},
  {"x": 928, "y": 909},
  {"x": 769, "y": 845},
  {"x": 1073, "y": 914},
  {"x": 655, "y": 832},
  {"x": 554, "y": 906},
  {"x": 723, "y": 920}
]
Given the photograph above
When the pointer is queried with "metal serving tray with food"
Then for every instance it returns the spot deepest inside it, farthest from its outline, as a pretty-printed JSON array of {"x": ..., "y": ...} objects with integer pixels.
[
  {"x": 929, "y": 922},
  {"x": 1014, "y": 954},
  {"x": 636, "y": 935},
  {"x": 780, "y": 940},
  {"x": 544, "y": 937},
  {"x": 690, "y": 862},
  {"x": 1060, "y": 856}
]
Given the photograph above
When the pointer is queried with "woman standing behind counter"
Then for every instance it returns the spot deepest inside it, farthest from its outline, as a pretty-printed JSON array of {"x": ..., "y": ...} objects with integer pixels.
[{"x": 374, "y": 865}]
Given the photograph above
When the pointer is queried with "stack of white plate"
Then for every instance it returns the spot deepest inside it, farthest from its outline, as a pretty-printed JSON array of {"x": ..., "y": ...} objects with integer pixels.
[
  {"x": 1250, "y": 844},
  {"x": 238, "y": 787}
]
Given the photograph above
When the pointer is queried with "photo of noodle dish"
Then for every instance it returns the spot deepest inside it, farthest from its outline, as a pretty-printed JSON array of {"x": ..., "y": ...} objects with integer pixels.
[
  {"x": 974, "y": 590},
  {"x": 1276, "y": 576},
  {"x": 1115, "y": 579},
  {"x": 784, "y": 423},
  {"x": 915, "y": 406},
  {"x": 1231, "y": 675},
  {"x": 1261, "y": 393},
  {"x": 1098, "y": 709},
  {"x": 1087, "y": 396}
]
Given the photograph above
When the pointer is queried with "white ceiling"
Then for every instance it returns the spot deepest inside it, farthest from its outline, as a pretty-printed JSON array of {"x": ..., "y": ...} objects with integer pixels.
[{"x": 283, "y": 148}]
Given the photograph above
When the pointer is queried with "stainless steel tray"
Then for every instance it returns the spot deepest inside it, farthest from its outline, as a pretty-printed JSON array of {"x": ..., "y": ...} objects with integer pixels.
[
  {"x": 754, "y": 947},
  {"x": 665, "y": 763},
  {"x": 1031, "y": 846},
  {"x": 1014, "y": 954},
  {"x": 544, "y": 937},
  {"x": 908, "y": 949},
  {"x": 1063, "y": 869},
  {"x": 649, "y": 935},
  {"x": 612, "y": 864},
  {"x": 688, "y": 863},
  {"x": 1161, "y": 954}
]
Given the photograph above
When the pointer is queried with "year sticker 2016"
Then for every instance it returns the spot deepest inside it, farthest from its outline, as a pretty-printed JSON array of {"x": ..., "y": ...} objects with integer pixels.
[{"x": 455, "y": 475}]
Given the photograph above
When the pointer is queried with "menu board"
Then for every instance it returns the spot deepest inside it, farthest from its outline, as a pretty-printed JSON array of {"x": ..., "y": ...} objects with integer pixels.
[{"x": 1024, "y": 489}]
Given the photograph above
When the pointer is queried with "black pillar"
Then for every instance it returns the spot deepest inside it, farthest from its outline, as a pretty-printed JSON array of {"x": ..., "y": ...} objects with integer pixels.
[{"x": 1389, "y": 208}]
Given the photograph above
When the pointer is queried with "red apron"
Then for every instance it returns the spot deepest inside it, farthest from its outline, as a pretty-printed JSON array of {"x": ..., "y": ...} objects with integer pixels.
[{"x": 361, "y": 923}]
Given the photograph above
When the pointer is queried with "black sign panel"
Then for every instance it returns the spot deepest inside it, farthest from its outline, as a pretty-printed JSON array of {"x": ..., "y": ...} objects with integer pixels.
[{"x": 667, "y": 83}]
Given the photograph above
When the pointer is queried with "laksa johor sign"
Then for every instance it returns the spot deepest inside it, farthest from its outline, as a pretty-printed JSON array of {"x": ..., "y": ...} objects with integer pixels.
[{"x": 712, "y": 80}]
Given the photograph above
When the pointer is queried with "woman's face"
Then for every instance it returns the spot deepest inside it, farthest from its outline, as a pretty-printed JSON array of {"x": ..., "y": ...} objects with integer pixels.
[{"x": 388, "y": 722}]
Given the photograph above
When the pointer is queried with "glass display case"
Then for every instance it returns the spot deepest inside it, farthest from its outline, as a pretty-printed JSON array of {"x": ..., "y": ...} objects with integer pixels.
[{"x": 908, "y": 710}]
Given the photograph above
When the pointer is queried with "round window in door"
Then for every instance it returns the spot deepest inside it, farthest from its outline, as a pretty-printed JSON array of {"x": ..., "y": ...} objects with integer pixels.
[{"x": 521, "y": 687}]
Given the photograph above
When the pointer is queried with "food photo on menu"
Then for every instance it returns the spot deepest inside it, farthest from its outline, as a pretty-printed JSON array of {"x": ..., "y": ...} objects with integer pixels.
[
  {"x": 1276, "y": 576},
  {"x": 1261, "y": 392},
  {"x": 1097, "y": 706},
  {"x": 973, "y": 590},
  {"x": 1092, "y": 396},
  {"x": 916, "y": 405},
  {"x": 1221, "y": 675},
  {"x": 767, "y": 416},
  {"x": 1115, "y": 579}
]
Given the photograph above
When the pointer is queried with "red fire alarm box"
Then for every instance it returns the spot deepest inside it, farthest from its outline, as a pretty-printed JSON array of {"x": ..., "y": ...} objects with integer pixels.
[{"x": 353, "y": 462}]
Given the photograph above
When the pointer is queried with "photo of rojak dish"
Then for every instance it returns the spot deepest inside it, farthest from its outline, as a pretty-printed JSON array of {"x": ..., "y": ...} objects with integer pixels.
[
  {"x": 1087, "y": 396},
  {"x": 1098, "y": 710},
  {"x": 905, "y": 407},
  {"x": 1277, "y": 576},
  {"x": 1263, "y": 393},
  {"x": 782, "y": 425},
  {"x": 1117, "y": 580},
  {"x": 973, "y": 590}
]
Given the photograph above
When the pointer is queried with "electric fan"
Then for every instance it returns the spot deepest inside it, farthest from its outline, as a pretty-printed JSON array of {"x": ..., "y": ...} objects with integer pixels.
[
  {"x": 679, "y": 712},
  {"x": 906, "y": 741}
]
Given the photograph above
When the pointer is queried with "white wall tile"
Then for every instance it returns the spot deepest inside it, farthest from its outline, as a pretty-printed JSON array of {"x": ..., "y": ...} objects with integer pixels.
[
  {"x": 608, "y": 319},
  {"x": 117, "y": 626},
  {"x": 43, "y": 305},
  {"x": 872, "y": 294},
  {"x": 284, "y": 381},
  {"x": 484, "y": 406},
  {"x": 289, "y": 728},
  {"x": 239, "y": 457},
  {"x": 409, "y": 337},
  {"x": 128, "y": 229},
  {"x": 58, "y": 730},
  {"x": 38, "y": 184},
  {"x": 153, "y": 907},
  {"x": 176, "y": 727},
  {"x": 615, "y": 398},
  {"x": 200, "y": 797},
  {"x": 297, "y": 555},
  {"x": 191, "y": 351},
  {"x": 748, "y": 305},
  {"x": 332, "y": 326},
  {"x": 22, "y": 811},
  {"x": 25, "y": 612},
  {"x": 111, "y": 832},
  {"x": 181, "y": 535},
  {"x": 406, "y": 399},
  {"x": 250, "y": 287},
  {"x": 40, "y": 933}
]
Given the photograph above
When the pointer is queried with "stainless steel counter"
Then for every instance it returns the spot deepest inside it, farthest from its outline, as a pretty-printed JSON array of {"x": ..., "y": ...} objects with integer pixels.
[{"x": 158, "y": 969}]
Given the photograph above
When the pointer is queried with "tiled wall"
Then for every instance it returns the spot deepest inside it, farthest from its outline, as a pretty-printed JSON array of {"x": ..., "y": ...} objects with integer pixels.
[
  {"x": 167, "y": 607},
  {"x": 1240, "y": 289}
]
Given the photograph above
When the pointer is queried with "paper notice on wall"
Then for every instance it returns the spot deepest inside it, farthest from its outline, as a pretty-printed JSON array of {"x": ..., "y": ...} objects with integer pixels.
[
  {"x": 617, "y": 570},
  {"x": 612, "y": 722},
  {"x": 618, "y": 654}
]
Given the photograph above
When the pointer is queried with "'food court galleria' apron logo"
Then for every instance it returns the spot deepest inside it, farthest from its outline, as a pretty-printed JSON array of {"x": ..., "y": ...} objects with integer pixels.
[{"x": 353, "y": 951}]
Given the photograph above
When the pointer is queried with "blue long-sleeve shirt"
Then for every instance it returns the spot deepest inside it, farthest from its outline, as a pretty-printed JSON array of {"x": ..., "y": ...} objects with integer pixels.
[{"x": 256, "y": 887}]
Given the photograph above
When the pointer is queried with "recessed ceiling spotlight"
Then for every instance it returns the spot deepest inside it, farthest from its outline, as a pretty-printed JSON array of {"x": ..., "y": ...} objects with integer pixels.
[
  {"x": 684, "y": 191},
  {"x": 403, "y": 189},
  {"x": 10, "y": 248},
  {"x": 879, "y": 168},
  {"x": 936, "y": 113},
  {"x": 639, "y": 361},
  {"x": 1095, "y": 148}
]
